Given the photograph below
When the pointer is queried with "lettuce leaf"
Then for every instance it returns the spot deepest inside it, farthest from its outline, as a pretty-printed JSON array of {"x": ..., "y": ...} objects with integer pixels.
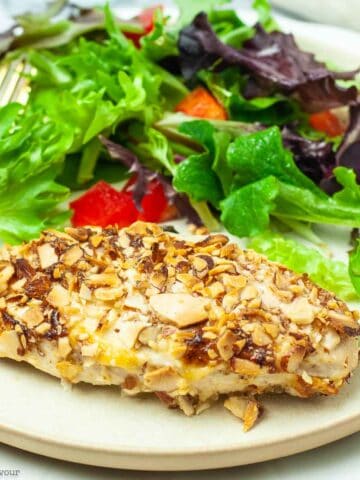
[
  {"x": 31, "y": 154},
  {"x": 273, "y": 61},
  {"x": 329, "y": 274},
  {"x": 262, "y": 153},
  {"x": 195, "y": 175},
  {"x": 354, "y": 266}
]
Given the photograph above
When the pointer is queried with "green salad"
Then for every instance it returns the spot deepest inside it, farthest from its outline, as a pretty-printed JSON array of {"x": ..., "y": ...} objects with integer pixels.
[{"x": 205, "y": 118}]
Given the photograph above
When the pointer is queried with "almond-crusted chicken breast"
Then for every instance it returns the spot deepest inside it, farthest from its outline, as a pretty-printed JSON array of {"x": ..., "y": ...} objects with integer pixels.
[{"x": 187, "y": 320}]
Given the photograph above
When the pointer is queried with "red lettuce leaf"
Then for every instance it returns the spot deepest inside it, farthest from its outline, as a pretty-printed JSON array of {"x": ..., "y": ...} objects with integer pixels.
[
  {"x": 348, "y": 154},
  {"x": 273, "y": 61},
  {"x": 315, "y": 158}
]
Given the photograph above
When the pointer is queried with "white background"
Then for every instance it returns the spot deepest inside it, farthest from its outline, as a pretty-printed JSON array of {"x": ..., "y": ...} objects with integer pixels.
[{"x": 339, "y": 460}]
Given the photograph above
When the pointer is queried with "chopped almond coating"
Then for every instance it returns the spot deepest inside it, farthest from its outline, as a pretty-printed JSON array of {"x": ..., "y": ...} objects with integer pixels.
[{"x": 188, "y": 320}]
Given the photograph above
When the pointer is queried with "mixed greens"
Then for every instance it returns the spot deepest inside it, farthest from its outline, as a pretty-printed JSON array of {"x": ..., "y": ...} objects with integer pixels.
[{"x": 207, "y": 118}]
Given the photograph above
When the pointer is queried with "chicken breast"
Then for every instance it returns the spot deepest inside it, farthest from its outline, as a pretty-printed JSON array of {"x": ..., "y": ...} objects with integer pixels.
[{"x": 187, "y": 320}]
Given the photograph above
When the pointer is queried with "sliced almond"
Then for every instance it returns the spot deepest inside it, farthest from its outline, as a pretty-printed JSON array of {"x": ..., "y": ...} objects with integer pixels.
[
  {"x": 33, "y": 316},
  {"x": 135, "y": 301},
  {"x": 250, "y": 292},
  {"x": 259, "y": 336},
  {"x": 236, "y": 282},
  {"x": 47, "y": 255},
  {"x": 163, "y": 379},
  {"x": 215, "y": 289},
  {"x": 149, "y": 334},
  {"x": 72, "y": 255},
  {"x": 186, "y": 405},
  {"x": 58, "y": 296},
  {"x": 300, "y": 311},
  {"x": 129, "y": 333},
  {"x": 271, "y": 329},
  {"x": 64, "y": 347},
  {"x": 180, "y": 308},
  {"x": 225, "y": 345},
  {"x": 103, "y": 279},
  {"x": 43, "y": 328},
  {"x": 9, "y": 344},
  {"x": 85, "y": 292},
  {"x": 246, "y": 367},
  {"x": 247, "y": 410},
  {"x": 108, "y": 293},
  {"x": 6, "y": 273}
]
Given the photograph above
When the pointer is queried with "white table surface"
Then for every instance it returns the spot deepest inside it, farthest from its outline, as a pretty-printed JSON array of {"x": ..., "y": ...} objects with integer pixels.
[{"x": 339, "y": 460}]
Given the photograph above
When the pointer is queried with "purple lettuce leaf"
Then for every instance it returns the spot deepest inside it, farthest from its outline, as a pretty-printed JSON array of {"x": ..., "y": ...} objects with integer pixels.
[
  {"x": 144, "y": 176},
  {"x": 273, "y": 61},
  {"x": 348, "y": 154},
  {"x": 315, "y": 158}
]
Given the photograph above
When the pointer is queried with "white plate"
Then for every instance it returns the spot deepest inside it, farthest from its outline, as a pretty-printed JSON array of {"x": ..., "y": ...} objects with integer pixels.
[{"x": 97, "y": 426}]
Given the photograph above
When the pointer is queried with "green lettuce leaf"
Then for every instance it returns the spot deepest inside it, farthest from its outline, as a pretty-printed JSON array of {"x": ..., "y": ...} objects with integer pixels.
[
  {"x": 205, "y": 176},
  {"x": 228, "y": 87},
  {"x": 31, "y": 154},
  {"x": 354, "y": 266},
  {"x": 261, "y": 154},
  {"x": 263, "y": 9},
  {"x": 246, "y": 211},
  {"x": 329, "y": 274}
]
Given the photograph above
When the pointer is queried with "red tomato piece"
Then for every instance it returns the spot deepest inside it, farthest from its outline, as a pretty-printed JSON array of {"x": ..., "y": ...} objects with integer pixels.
[
  {"x": 154, "y": 202},
  {"x": 146, "y": 19},
  {"x": 326, "y": 122},
  {"x": 200, "y": 103},
  {"x": 102, "y": 206}
]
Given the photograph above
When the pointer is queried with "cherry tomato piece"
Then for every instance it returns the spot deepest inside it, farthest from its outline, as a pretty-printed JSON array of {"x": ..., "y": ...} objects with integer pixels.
[
  {"x": 326, "y": 122},
  {"x": 200, "y": 103},
  {"x": 102, "y": 206},
  {"x": 146, "y": 19}
]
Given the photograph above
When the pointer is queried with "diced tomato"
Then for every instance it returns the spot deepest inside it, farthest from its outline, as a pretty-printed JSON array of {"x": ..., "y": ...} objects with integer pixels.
[
  {"x": 154, "y": 202},
  {"x": 102, "y": 206},
  {"x": 200, "y": 103},
  {"x": 326, "y": 122},
  {"x": 146, "y": 19}
]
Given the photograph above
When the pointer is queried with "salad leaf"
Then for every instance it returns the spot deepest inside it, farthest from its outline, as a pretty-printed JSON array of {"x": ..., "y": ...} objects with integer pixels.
[
  {"x": 229, "y": 27},
  {"x": 350, "y": 193},
  {"x": 354, "y": 266},
  {"x": 44, "y": 30},
  {"x": 246, "y": 211},
  {"x": 189, "y": 8},
  {"x": 263, "y": 9},
  {"x": 204, "y": 176},
  {"x": 329, "y": 274},
  {"x": 130, "y": 160},
  {"x": 348, "y": 153},
  {"x": 274, "y": 61},
  {"x": 92, "y": 87},
  {"x": 315, "y": 158},
  {"x": 261, "y": 154},
  {"x": 228, "y": 87},
  {"x": 31, "y": 155}
]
